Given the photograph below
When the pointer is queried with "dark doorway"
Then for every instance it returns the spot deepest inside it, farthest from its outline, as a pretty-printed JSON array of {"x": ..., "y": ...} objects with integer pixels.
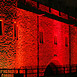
[{"x": 52, "y": 69}]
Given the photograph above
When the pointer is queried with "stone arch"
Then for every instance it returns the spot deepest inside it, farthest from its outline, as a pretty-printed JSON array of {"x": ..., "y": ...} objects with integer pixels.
[{"x": 52, "y": 68}]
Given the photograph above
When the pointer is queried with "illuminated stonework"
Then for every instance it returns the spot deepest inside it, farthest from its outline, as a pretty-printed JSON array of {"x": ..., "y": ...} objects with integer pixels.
[{"x": 18, "y": 44}]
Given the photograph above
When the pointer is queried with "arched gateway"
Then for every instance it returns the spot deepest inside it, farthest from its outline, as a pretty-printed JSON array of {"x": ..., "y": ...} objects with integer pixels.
[{"x": 53, "y": 69}]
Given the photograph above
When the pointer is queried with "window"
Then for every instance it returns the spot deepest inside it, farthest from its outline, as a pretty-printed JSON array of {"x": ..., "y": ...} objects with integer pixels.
[
  {"x": 15, "y": 30},
  {"x": 66, "y": 41},
  {"x": 41, "y": 37},
  {"x": 0, "y": 27},
  {"x": 55, "y": 40}
]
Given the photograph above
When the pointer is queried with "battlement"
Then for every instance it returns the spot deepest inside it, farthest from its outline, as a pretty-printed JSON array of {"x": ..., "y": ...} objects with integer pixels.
[
  {"x": 33, "y": 34},
  {"x": 39, "y": 8}
]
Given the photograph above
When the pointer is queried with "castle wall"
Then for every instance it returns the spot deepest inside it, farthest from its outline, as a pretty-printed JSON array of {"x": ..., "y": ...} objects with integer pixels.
[
  {"x": 54, "y": 30},
  {"x": 7, "y": 43},
  {"x": 26, "y": 45},
  {"x": 22, "y": 51},
  {"x": 73, "y": 42},
  {"x": 7, "y": 49}
]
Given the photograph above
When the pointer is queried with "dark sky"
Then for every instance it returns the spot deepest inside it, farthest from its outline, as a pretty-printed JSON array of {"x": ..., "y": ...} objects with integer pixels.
[
  {"x": 69, "y": 3},
  {"x": 69, "y": 6}
]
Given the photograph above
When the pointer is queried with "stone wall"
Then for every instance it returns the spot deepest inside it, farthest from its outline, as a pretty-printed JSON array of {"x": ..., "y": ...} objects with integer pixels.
[{"x": 7, "y": 48}]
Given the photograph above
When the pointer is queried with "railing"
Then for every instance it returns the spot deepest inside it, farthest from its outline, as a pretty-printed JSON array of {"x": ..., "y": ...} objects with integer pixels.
[
  {"x": 13, "y": 72},
  {"x": 18, "y": 72},
  {"x": 68, "y": 69},
  {"x": 33, "y": 72}
]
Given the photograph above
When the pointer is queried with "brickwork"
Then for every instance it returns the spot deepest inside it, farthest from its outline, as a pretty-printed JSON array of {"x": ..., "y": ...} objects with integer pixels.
[
  {"x": 43, "y": 8},
  {"x": 48, "y": 49},
  {"x": 55, "y": 12},
  {"x": 22, "y": 52},
  {"x": 7, "y": 49},
  {"x": 26, "y": 49},
  {"x": 26, "y": 46},
  {"x": 73, "y": 38}
]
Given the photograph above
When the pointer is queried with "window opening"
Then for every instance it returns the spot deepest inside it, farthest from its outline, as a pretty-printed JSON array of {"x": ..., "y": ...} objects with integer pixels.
[
  {"x": 15, "y": 31},
  {"x": 55, "y": 40},
  {"x": 41, "y": 37},
  {"x": 0, "y": 27},
  {"x": 66, "y": 41}
]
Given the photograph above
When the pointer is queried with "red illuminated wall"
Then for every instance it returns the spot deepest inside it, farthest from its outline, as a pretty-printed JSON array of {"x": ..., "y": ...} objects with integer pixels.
[
  {"x": 73, "y": 42},
  {"x": 22, "y": 52},
  {"x": 7, "y": 49},
  {"x": 7, "y": 43},
  {"x": 51, "y": 29},
  {"x": 26, "y": 45}
]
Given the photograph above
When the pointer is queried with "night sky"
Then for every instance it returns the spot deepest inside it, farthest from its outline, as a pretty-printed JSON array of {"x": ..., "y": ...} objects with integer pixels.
[
  {"x": 69, "y": 6},
  {"x": 70, "y": 3}
]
